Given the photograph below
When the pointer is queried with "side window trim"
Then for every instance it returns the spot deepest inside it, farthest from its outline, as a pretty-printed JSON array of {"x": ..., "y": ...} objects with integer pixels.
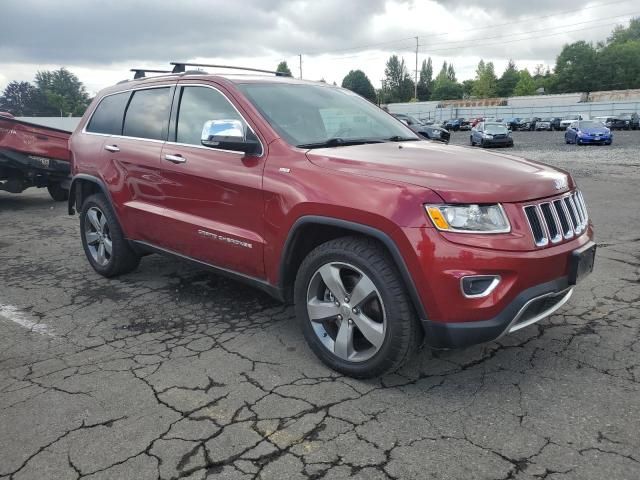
[
  {"x": 86, "y": 125},
  {"x": 171, "y": 88},
  {"x": 131, "y": 91},
  {"x": 173, "y": 127}
]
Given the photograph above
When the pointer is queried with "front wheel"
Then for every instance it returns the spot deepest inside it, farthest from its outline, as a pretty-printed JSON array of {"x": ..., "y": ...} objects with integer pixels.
[
  {"x": 354, "y": 308},
  {"x": 58, "y": 193},
  {"x": 473, "y": 144}
]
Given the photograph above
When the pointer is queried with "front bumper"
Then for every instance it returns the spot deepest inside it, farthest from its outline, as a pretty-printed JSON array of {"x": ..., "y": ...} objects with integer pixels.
[
  {"x": 594, "y": 139},
  {"x": 531, "y": 306},
  {"x": 498, "y": 142}
]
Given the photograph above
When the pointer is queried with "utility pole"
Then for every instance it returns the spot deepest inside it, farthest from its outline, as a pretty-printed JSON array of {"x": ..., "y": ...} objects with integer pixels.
[
  {"x": 300, "y": 57},
  {"x": 415, "y": 85}
]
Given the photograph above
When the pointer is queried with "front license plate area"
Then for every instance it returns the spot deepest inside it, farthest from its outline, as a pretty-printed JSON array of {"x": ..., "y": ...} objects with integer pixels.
[{"x": 581, "y": 263}]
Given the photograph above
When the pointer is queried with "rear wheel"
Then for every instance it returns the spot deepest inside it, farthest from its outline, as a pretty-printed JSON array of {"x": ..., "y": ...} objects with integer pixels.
[
  {"x": 58, "y": 193},
  {"x": 473, "y": 144},
  {"x": 104, "y": 244},
  {"x": 354, "y": 308}
]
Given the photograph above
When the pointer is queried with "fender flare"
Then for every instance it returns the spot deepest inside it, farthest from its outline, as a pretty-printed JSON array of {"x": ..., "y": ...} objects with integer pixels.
[
  {"x": 379, "y": 235},
  {"x": 89, "y": 178}
]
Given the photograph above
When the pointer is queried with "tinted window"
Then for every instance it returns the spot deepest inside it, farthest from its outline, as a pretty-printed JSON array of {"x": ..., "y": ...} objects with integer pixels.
[
  {"x": 108, "y": 116},
  {"x": 148, "y": 114},
  {"x": 197, "y": 106}
]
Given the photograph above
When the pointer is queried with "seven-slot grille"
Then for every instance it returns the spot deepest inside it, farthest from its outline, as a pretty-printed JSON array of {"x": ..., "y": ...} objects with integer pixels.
[{"x": 557, "y": 219}]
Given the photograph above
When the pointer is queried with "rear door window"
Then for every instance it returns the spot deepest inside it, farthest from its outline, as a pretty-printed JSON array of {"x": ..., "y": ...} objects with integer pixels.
[
  {"x": 107, "y": 118},
  {"x": 148, "y": 114}
]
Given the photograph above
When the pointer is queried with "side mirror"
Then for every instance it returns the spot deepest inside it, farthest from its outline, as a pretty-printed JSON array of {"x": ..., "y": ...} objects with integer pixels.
[{"x": 228, "y": 135}]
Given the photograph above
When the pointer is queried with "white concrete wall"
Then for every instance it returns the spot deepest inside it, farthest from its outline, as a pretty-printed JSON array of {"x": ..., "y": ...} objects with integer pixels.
[{"x": 61, "y": 123}]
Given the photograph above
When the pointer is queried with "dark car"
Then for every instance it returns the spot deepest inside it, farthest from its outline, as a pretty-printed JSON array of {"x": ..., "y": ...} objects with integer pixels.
[
  {"x": 616, "y": 123},
  {"x": 528, "y": 123},
  {"x": 512, "y": 123},
  {"x": 555, "y": 123},
  {"x": 432, "y": 132},
  {"x": 456, "y": 124},
  {"x": 319, "y": 198},
  {"x": 489, "y": 134},
  {"x": 631, "y": 121},
  {"x": 544, "y": 124},
  {"x": 582, "y": 132}
]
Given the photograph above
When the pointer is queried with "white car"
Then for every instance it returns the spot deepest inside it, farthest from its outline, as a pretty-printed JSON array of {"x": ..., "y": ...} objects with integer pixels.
[{"x": 568, "y": 120}]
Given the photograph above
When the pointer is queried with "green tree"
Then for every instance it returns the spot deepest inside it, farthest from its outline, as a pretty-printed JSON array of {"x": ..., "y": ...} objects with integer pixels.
[
  {"x": 622, "y": 34},
  {"x": 619, "y": 66},
  {"x": 22, "y": 99},
  {"x": 508, "y": 81},
  {"x": 425, "y": 82},
  {"x": 486, "y": 81},
  {"x": 283, "y": 68},
  {"x": 443, "y": 87},
  {"x": 451, "y": 73},
  {"x": 467, "y": 88},
  {"x": 358, "y": 82},
  {"x": 576, "y": 68},
  {"x": 63, "y": 91},
  {"x": 526, "y": 85},
  {"x": 399, "y": 86}
]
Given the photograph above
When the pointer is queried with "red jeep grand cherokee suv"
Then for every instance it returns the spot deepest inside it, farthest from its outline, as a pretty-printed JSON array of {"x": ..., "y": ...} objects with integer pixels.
[{"x": 308, "y": 191}]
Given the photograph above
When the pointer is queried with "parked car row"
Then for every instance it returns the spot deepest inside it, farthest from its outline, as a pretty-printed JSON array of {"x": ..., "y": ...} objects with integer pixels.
[
  {"x": 432, "y": 132},
  {"x": 629, "y": 121}
]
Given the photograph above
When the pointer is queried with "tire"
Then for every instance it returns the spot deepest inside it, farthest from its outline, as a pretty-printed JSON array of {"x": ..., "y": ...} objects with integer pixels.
[
  {"x": 473, "y": 144},
  {"x": 397, "y": 331},
  {"x": 482, "y": 144},
  {"x": 98, "y": 227},
  {"x": 58, "y": 193}
]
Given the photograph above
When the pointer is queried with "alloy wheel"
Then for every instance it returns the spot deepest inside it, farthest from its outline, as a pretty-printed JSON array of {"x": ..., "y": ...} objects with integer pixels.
[
  {"x": 346, "y": 311},
  {"x": 97, "y": 236}
]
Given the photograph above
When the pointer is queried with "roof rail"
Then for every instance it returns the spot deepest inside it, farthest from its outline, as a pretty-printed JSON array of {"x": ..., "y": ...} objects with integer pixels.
[
  {"x": 141, "y": 72},
  {"x": 179, "y": 67}
]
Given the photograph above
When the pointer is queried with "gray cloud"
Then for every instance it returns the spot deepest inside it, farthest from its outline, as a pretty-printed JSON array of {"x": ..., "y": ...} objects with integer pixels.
[
  {"x": 514, "y": 8},
  {"x": 93, "y": 32}
]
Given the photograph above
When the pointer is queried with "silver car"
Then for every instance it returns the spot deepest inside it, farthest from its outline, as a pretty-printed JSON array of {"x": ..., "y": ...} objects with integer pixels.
[{"x": 544, "y": 124}]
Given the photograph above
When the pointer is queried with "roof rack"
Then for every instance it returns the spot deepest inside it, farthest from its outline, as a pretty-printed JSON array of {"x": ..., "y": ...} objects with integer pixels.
[
  {"x": 179, "y": 67},
  {"x": 141, "y": 72}
]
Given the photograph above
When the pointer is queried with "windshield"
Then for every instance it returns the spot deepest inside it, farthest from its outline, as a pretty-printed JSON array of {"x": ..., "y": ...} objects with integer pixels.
[
  {"x": 315, "y": 115},
  {"x": 591, "y": 124},
  {"x": 545, "y": 120},
  {"x": 495, "y": 128},
  {"x": 572, "y": 117}
]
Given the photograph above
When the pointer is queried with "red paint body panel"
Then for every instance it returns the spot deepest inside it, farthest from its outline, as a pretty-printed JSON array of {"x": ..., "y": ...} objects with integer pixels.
[
  {"x": 215, "y": 205},
  {"x": 34, "y": 139}
]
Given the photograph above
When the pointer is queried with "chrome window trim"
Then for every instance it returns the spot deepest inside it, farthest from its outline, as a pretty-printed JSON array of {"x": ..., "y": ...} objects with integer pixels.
[
  {"x": 492, "y": 286},
  {"x": 173, "y": 84},
  {"x": 84, "y": 129}
]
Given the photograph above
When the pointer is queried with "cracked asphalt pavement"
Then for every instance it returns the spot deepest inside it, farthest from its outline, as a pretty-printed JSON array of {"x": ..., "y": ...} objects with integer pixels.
[{"x": 174, "y": 372}]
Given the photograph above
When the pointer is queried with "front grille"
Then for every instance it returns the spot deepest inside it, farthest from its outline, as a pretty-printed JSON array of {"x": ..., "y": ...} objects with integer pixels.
[{"x": 561, "y": 218}]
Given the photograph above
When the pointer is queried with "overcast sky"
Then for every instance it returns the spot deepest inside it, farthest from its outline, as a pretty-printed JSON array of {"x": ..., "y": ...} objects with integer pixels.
[{"x": 99, "y": 41}]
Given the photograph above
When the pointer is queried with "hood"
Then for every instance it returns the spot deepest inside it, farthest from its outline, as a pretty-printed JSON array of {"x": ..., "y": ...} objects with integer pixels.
[{"x": 457, "y": 174}]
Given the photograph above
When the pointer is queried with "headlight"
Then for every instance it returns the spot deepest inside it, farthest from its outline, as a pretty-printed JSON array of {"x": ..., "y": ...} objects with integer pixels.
[
  {"x": 469, "y": 218},
  {"x": 435, "y": 133},
  {"x": 488, "y": 135}
]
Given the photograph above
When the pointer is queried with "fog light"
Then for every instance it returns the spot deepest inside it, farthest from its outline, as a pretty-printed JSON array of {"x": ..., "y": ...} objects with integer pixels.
[{"x": 478, "y": 286}]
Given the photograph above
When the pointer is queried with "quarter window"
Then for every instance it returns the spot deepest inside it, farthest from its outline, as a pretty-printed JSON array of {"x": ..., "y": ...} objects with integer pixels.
[
  {"x": 108, "y": 116},
  {"x": 148, "y": 114},
  {"x": 198, "y": 105}
]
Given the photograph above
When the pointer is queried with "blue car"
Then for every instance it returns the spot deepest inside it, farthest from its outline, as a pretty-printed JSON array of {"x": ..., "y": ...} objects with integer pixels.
[{"x": 582, "y": 132}]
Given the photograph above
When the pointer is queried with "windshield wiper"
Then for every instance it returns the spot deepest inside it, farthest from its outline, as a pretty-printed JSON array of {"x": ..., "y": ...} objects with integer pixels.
[
  {"x": 339, "y": 142},
  {"x": 398, "y": 138}
]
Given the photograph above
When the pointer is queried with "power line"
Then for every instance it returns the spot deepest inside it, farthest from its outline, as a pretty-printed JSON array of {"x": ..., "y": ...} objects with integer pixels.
[{"x": 399, "y": 40}]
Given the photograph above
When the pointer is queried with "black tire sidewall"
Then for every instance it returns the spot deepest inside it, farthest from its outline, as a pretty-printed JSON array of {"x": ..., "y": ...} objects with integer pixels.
[
  {"x": 382, "y": 361},
  {"x": 122, "y": 258}
]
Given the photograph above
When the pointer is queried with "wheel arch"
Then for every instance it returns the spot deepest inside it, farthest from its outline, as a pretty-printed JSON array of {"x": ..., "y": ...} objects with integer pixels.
[
  {"x": 82, "y": 186},
  {"x": 308, "y": 232}
]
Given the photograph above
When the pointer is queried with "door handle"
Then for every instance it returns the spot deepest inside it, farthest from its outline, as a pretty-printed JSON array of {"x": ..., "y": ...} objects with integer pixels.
[
  {"x": 112, "y": 148},
  {"x": 175, "y": 158}
]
